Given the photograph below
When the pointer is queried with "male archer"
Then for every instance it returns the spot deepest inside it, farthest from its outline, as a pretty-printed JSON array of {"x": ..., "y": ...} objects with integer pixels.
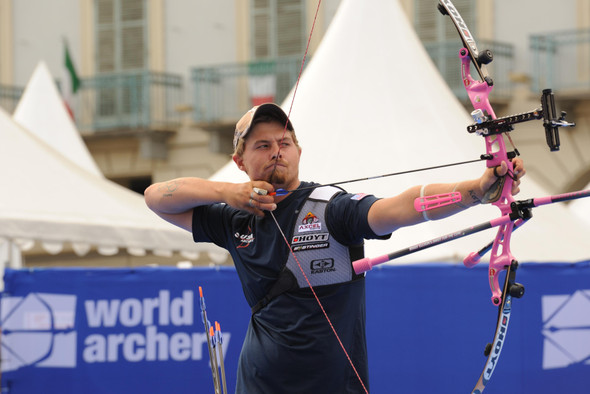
[{"x": 289, "y": 346}]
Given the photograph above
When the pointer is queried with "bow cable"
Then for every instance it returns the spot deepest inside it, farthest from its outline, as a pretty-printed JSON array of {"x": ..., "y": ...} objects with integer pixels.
[{"x": 282, "y": 192}]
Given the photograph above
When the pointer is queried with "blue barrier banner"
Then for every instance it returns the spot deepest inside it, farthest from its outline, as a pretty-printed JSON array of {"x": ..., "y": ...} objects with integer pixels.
[
  {"x": 140, "y": 330},
  {"x": 428, "y": 326},
  {"x": 117, "y": 330}
]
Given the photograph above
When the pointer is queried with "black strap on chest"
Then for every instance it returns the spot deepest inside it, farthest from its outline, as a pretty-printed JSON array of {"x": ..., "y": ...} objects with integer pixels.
[
  {"x": 284, "y": 283},
  {"x": 287, "y": 281}
]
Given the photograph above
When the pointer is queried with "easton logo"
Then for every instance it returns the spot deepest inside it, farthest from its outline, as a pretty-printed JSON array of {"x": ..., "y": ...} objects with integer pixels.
[{"x": 322, "y": 265}]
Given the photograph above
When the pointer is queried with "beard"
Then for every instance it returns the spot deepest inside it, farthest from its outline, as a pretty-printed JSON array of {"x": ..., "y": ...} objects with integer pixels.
[{"x": 278, "y": 176}]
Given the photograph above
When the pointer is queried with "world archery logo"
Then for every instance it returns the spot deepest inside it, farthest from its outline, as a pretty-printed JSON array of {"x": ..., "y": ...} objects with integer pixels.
[
  {"x": 38, "y": 330},
  {"x": 310, "y": 223},
  {"x": 566, "y": 328}
]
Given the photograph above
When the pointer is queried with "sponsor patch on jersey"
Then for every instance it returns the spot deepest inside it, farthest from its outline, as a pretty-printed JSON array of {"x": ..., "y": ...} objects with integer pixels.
[
  {"x": 311, "y": 246},
  {"x": 359, "y": 196},
  {"x": 320, "y": 266},
  {"x": 310, "y": 241},
  {"x": 299, "y": 239},
  {"x": 310, "y": 223},
  {"x": 244, "y": 239}
]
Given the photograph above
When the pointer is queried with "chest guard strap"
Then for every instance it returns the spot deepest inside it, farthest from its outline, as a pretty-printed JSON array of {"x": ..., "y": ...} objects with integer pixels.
[{"x": 284, "y": 283}]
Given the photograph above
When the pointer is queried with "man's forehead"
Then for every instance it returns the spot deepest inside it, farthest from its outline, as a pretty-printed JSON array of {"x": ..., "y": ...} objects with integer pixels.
[{"x": 269, "y": 134}]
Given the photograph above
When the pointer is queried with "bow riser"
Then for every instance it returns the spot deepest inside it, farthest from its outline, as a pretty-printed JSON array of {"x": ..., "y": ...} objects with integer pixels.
[
  {"x": 478, "y": 92},
  {"x": 500, "y": 259}
]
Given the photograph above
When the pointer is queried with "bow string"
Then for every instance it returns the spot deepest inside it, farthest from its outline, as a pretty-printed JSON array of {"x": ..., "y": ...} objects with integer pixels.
[{"x": 279, "y": 227}]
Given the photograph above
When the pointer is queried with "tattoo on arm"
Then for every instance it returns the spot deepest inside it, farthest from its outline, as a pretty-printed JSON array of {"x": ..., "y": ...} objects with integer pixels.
[
  {"x": 474, "y": 197},
  {"x": 169, "y": 188}
]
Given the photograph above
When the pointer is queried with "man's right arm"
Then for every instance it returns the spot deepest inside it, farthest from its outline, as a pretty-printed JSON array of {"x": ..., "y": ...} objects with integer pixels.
[{"x": 174, "y": 200}]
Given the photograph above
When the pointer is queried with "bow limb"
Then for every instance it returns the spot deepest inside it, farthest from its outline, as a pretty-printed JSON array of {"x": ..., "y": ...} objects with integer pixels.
[{"x": 492, "y": 350}]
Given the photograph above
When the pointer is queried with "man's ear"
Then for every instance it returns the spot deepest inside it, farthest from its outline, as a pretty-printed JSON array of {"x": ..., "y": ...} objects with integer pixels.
[{"x": 239, "y": 162}]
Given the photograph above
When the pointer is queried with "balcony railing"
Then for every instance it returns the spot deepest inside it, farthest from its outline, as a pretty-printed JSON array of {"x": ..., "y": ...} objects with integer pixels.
[
  {"x": 224, "y": 93},
  {"x": 129, "y": 100},
  {"x": 9, "y": 97},
  {"x": 561, "y": 60},
  {"x": 445, "y": 55}
]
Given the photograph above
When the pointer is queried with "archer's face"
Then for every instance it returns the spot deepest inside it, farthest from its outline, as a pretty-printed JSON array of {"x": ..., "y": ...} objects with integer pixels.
[{"x": 271, "y": 155}]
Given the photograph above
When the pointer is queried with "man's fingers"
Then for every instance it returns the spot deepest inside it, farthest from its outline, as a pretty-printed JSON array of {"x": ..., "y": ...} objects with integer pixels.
[
  {"x": 259, "y": 203},
  {"x": 501, "y": 170}
]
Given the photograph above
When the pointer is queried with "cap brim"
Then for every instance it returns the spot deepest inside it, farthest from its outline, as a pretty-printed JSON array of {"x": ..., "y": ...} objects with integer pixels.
[{"x": 267, "y": 109}]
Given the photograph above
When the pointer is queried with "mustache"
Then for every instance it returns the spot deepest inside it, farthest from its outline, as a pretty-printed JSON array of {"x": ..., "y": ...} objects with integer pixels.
[{"x": 274, "y": 163}]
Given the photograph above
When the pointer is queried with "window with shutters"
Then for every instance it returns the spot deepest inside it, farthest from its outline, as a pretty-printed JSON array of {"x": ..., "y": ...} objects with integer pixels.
[
  {"x": 278, "y": 39},
  {"x": 121, "y": 35},
  {"x": 278, "y": 28},
  {"x": 121, "y": 51}
]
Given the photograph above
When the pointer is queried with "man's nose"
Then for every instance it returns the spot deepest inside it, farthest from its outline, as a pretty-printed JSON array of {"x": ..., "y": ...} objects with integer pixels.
[{"x": 277, "y": 154}]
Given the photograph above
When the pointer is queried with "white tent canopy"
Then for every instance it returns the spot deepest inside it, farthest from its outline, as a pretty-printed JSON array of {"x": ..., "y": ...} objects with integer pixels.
[
  {"x": 371, "y": 102},
  {"x": 57, "y": 194},
  {"x": 53, "y": 201},
  {"x": 41, "y": 110}
]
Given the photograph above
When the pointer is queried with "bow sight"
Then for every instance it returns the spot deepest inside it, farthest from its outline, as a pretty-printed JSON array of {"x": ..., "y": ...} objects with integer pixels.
[{"x": 484, "y": 125}]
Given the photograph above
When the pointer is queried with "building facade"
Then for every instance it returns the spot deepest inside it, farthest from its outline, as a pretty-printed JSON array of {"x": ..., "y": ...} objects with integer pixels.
[{"x": 163, "y": 82}]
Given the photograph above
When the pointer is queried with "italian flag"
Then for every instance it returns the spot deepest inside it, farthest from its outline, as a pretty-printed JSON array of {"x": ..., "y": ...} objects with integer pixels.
[
  {"x": 70, "y": 82},
  {"x": 262, "y": 89},
  {"x": 262, "y": 82}
]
